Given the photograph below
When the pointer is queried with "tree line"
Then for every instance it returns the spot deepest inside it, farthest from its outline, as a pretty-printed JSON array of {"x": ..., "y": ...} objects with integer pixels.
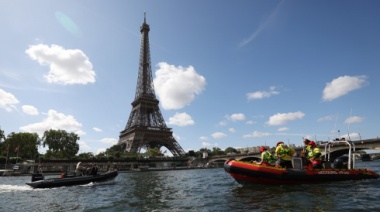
[
  {"x": 24, "y": 145},
  {"x": 61, "y": 144}
]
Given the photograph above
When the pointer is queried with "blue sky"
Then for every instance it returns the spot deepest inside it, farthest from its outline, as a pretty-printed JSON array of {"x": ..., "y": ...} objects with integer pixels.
[{"x": 227, "y": 73}]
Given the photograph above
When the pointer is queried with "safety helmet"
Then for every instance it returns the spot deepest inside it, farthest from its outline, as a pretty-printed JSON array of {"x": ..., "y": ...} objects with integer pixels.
[
  {"x": 312, "y": 144},
  {"x": 306, "y": 141},
  {"x": 280, "y": 142},
  {"x": 262, "y": 149}
]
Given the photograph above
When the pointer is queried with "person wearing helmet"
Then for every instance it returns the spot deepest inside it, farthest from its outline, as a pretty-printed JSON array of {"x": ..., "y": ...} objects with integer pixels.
[
  {"x": 266, "y": 157},
  {"x": 314, "y": 155},
  {"x": 305, "y": 151},
  {"x": 284, "y": 155},
  {"x": 306, "y": 148}
]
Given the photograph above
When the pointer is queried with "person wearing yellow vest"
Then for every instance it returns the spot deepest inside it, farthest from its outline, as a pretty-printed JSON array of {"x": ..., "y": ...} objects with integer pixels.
[
  {"x": 284, "y": 154},
  {"x": 266, "y": 157},
  {"x": 314, "y": 155}
]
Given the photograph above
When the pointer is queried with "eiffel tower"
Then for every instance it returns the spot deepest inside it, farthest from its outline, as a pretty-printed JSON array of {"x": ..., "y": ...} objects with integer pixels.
[{"x": 146, "y": 128}]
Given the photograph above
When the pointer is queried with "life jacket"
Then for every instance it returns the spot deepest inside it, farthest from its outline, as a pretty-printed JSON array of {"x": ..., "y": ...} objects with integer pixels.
[
  {"x": 316, "y": 153},
  {"x": 268, "y": 157},
  {"x": 285, "y": 150}
]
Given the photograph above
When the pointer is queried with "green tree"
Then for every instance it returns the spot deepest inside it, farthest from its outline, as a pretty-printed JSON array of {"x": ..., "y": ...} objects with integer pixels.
[
  {"x": 25, "y": 145},
  {"x": 115, "y": 151},
  {"x": 61, "y": 144},
  {"x": 3, "y": 148},
  {"x": 153, "y": 152},
  {"x": 202, "y": 150},
  {"x": 86, "y": 155},
  {"x": 217, "y": 151},
  {"x": 230, "y": 150},
  {"x": 2, "y": 136}
]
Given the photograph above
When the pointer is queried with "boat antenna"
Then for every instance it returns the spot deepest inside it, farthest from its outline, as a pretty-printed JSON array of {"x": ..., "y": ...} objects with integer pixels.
[
  {"x": 336, "y": 120},
  {"x": 348, "y": 128}
]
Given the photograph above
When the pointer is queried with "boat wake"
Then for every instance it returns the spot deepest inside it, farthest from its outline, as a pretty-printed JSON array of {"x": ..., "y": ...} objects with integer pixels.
[{"x": 12, "y": 188}]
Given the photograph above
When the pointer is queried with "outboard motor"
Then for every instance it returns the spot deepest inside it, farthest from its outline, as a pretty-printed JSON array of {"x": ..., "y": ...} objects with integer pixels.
[
  {"x": 37, "y": 176},
  {"x": 341, "y": 162}
]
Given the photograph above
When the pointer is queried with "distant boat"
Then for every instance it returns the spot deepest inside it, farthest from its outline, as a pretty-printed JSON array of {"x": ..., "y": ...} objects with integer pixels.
[
  {"x": 10, "y": 172},
  {"x": 366, "y": 157},
  {"x": 38, "y": 180}
]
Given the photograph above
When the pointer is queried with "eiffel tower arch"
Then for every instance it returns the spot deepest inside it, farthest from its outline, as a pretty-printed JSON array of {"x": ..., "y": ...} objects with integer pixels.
[{"x": 146, "y": 127}]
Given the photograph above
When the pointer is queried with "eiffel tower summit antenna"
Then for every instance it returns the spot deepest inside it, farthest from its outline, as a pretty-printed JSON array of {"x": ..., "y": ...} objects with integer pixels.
[{"x": 146, "y": 127}]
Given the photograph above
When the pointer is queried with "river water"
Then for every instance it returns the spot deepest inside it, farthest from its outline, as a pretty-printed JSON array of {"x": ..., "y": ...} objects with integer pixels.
[{"x": 191, "y": 190}]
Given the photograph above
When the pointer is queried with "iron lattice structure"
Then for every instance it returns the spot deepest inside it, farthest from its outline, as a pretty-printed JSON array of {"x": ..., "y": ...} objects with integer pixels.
[{"x": 146, "y": 127}]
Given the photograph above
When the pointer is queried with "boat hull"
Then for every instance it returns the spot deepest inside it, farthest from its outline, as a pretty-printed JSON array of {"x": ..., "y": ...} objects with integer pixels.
[
  {"x": 71, "y": 181},
  {"x": 249, "y": 173}
]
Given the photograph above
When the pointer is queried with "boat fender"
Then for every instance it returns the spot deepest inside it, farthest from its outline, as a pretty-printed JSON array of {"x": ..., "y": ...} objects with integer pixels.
[{"x": 37, "y": 176}]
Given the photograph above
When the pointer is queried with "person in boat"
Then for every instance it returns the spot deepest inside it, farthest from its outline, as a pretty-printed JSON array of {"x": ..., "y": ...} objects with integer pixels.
[
  {"x": 305, "y": 152},
  {"x": 267, "y": 159},
  {"x": 79, "y": 169},
  {"x": 284, "y": 155},
  {"x": 306, "y": 148},
  {"x": 94, "y": 169},
  {"x": 314, "y": 155},
  {"x": 87, "y": 170}
]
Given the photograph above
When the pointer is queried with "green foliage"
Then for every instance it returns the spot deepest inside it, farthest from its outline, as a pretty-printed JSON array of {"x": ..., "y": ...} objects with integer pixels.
[
  {"x": 61, "y": 144},
  {"x": 115, "y": 151},
  {"x": 24, "y": 145},
  {"x": 86, "y": 155},
  {"x": 230, "y": 150},
  {"x": 153, "y": 152},
  {"x": 217, "y": 151},
  {"x": 2, "y": 136}
]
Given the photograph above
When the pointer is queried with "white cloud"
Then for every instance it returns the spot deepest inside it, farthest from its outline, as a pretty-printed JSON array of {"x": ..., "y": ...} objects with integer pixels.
[
  {"x": 181, "y": 119},
  {"x": 30, "y": 110},
  {"x": 67, "y": 66},
  {"x": 177, "y": 86},
  {"x": 205, "y": 144},
  {"x": 282, "y": 129},
  {"x": 283, "y": 118},
  {"x": 100, "y": 150},
  {"x": 8, "y": 101},
  {"x": 342, "y": 86},
  {"x": 354, "y": 119},
  {"x": 222, "y": 123},
  {"x": 56, "y": 121},
  {"x": 256, "y": 134},
  {"x": 351, "y": 136},
  {"x": 326, "y": 118},
  {"x": 110, "y": 141},
  {"x": 232, "y": 130},
  {"x": 250, "y": 122},
  {"x": 203, "y": 138},
  {"x": 263, "y": 24},
  {"x": 218, "y": 135},
  {"x": 97, "y": 129},
  {"x": 83, "y": 146},
  {"x": 237, "y": 117},
  {"x": 262, "y": 94}
]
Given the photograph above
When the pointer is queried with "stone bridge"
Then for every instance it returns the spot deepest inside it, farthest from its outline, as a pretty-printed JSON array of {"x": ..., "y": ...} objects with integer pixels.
[{"x": 336, "y": 150}]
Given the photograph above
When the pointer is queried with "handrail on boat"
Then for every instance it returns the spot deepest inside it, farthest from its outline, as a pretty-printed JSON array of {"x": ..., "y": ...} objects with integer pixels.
[{"x": 351, "y": 150}]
